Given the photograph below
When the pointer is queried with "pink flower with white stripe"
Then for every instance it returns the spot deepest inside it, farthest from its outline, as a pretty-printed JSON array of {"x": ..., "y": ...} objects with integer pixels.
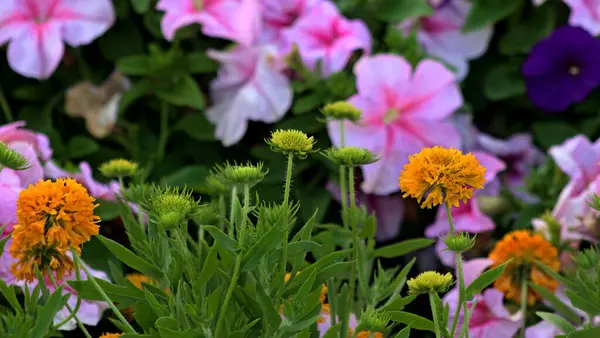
[
  {"x": 36, "y": 30},
  {"x": 585, "y": 14},
  {"x": 279, "y": 16},
  {"x": 404, "y": 110}
]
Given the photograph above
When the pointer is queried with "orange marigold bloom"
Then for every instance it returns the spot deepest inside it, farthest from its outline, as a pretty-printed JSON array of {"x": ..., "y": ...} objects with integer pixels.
[
  {"x": 524, "y": 248},
  {"x": 53, "y": 218},
  {"x": 439, "y": 173},
  {"x": 365, "y": 334},
  {"x": 111, "y": 335}
]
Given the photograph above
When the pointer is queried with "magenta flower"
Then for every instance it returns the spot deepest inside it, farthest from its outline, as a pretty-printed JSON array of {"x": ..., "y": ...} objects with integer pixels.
[
  {"x": 585, "y": 14},
  {"x": 489, "y": 318},
  {"x": 466, "y": 217},
  {"x": 403, "y": 111},
  {"x": 250, "y": 87},
  {"x": 441, "y": 35},
  {"x": 36, "y": 29},
  {"x": 236, "y": 20},
  {"x": 279, "y": 16},
  {"x": 325, "y": 35}
]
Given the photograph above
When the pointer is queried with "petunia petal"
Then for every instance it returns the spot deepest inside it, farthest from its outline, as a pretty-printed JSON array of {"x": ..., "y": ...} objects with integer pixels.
[{"x": 37, "y": 51}]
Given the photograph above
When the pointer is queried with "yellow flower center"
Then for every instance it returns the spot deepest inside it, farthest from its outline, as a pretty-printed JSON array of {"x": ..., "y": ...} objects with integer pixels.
[
  {"x": 198, "y": 4},
  {"x": 390, "y": 115},
  {"x": 574, "y": 70}
]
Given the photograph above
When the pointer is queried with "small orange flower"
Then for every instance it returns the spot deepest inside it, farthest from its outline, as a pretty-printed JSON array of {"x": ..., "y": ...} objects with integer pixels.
[
  {"x": 365, "y": 334},
  {"x": 524, "y": 248},
  {"x": 111, "y": 335},
  {"x": 53, "y": 218},
  {"x": 137, "y": 279},
  {"x": 441, "y": 173}
]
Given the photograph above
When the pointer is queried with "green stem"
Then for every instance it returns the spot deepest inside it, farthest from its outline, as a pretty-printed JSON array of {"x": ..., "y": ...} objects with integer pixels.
[
  {"x": 98, "y": 288},
  {"x": 448, "y": 211},
  {"x": 222, "y": 211},
  {"x": 84, "y": 69},
  {"x": 435, "y": 314},
  {"x": 79, "y": 323},
  {"x": 164, "y": 130},
  {"x": 343, "y": 189},
  {"x": 5, "y": 107},
  {"x": 238, "y": 262},
  {"x": 354, "y": 239},
  {"x": 331, "y": 297},
  {"x": 73, "y": 313},
  {"x": 462, "y": 295},
  {"x": 232, "y": 210},
  {"x": 286, "y": 201},
  {"x": 523, "y": 304}
]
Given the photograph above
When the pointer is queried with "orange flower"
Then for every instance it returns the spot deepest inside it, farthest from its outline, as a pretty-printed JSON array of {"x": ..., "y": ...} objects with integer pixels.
[
  {"x": 365, "y": 334},
  {"x": 440, "y": 173},
  {"x": 53, "y": 218},
  {"x": 524, "y": 248},
  {"x": 111, "y": 335}
]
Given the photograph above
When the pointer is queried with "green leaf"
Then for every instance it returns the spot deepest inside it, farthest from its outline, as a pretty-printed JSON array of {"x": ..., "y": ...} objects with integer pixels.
[
  {"x": 334, "y": 331},
  {"x": 482, "y": 281},
  {"x": 399, "y": 303},
  {"x": 222, "y": 239},
  {"x": 266, "y": 305},
  {"x": 135, "y": 65},
  {"x": 262, "y": 247},
  {"x": 117, "y": 293},
  {"x": 398, "y": 10},
  {"x": 196, "y": 126},
  {"x": 200, "y": 63},
  {"x": 208, "y": 268},
  {"x": 522, "y": 37},
  {"x": 129, "y": 258},
  {"x": 404, "y": 333},
  {"x": 81, "y": 146},
  {"x": 9, "y": 293},
  {"x": 413, "y": 320},
  {"x": 191, "y": 176},
  {"x": 45, "y": 316},
  {"x": 593, "y": 332},
  {"x": 121, "y": 40},
  {"x": 557, "y": 321},
  {"x": 504, "y": 81},
  {"x": 140, "y": 6},
  {"x": 582, "y": 304},
  {"x": 556, "y": 303},
  {"x": 552, "y": 133},
  {"x": 486, "y": 12},
  {"x": 402, "y": 248},
  {"x": 107, "y": 210},
  {"x": 306, "y": 123},
  {"x": 184, "y": 92},
  {"x": 307, "y": 103}
]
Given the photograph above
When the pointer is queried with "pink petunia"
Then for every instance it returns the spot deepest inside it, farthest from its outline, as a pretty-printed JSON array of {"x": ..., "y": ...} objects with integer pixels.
[
  {"x": 36, "y": 30},
  {"x": 250, "y": 86},
  {"x": 489, "y": 318},
  {"x": 404, "y": 110},
  {"x": 466, "y": 217},
  {"x": 441, "y": 35},
  {"x": 279, "y": 16},
  {"x": 325, "y": 35},
  {"x": 236, "y": 20},
  {"x": 585, "y": 14}
]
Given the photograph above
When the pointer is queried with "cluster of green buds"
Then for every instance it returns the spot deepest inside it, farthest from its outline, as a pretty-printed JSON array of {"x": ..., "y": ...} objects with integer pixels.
[
  {"x": 291, "y": 142},
  {"x": 119, "y": 168},
  {"x": 587, "y": 259},
  {"x": 171, "y": 206},
  {"x": 374, "y": 320},
  {"x": 430, "y": 281},
  {"x": 351, "y": 156},
  {"x": 12, "y": 159},
  {"x": 340, "y": 111},
  {"x": 239, "y": 175},
  {"x": 460, "y": 242}
]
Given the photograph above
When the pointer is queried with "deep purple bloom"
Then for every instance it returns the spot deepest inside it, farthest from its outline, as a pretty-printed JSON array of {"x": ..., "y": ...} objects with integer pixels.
[{"x": 562, "y": 69}]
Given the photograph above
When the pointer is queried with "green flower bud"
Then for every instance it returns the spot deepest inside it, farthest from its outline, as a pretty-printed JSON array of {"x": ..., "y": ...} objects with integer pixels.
[
  {"x": 12, "y": 159},
  {"x": 587, "y": 259},
  {"x": 119, "y": 168},
  {"x": 373, "y": 320},
  {"x": 234, "y": 175},
  {"x": 342, "y": 110},
  {"x": 170, "y": 207},
  {"x": 214, "y": 186},
  {"x": 460, "y": 242},
  {"x": 492, "y": 205},
  {"x": 291, "y": 142},
  {"x": 138, "y": 193},
  {"x": 430, "y": 281},
  {"x": 351, "y": 156}
]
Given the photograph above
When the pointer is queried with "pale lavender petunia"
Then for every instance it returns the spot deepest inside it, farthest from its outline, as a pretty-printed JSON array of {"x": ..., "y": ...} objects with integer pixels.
[
  {"x": 404, "y": 110},
  {"x": 325, "y": 35},
  {"x": 585, "y": 14},
  {"x": 250, "y": 86},
  {"x": 441, "y": 35},
  {"x": 489, "y": 318},
  {"x": 36, "y": 30},
  {"x": 466, "y": 217},
  {"x": 98, "y": 190},
  {"x": 236, "y": 20},
  {"x": 280, "y": 16}
]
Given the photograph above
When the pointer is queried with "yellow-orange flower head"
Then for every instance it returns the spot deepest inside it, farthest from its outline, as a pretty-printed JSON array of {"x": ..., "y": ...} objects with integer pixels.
[
  {"x": 524, "y": 248},
  {"x": 111, "y": 335},
  {"x": 53, "y": 218},
  {"x": 439, "y": 173}
]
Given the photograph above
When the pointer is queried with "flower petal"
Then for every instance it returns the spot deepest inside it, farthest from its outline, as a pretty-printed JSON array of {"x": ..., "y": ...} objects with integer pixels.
[
  {"x": 84, "y": 20},
  {"x": 37, "y": 51}
]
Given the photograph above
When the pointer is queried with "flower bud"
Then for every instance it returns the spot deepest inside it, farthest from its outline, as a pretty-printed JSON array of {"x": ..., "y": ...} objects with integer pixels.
[
  {"x": 234, "y": 175},
  {"x": 291, "y": 142},
  {"x": 341, "y": 110},
  {"x": 587, "y": 259},
  {"x": 12, "y": 159},
  {"x": 119, "y": 168},
  {"x": 430, "y": 281},
  {"x": 351, "y": 156},
  {"x": 459, "y": 243},
  {"x": 170, "y": 207}
]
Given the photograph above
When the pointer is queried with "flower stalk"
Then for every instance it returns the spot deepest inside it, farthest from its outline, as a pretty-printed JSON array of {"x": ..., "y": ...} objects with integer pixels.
[
  {"x": 435, "y": 315},
  {"x": 461, "y": 283},
  {"x": 286, "y": 201},
  {"x": 524, "y": 303}
]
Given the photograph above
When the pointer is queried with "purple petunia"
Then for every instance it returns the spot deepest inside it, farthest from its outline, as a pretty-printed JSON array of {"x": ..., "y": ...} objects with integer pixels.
[{"x": 562, "y": 69}]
